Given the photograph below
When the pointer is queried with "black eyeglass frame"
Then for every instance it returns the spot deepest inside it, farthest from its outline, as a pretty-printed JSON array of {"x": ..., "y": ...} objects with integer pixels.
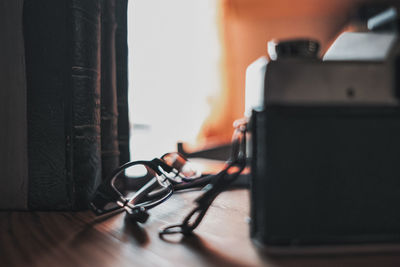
[
  {"x": 219, "y": 183},
  {"x": 108, "y": 193}
]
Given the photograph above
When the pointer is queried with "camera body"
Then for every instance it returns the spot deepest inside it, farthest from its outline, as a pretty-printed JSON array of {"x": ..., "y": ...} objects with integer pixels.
[{"x": 326, "y": 146}]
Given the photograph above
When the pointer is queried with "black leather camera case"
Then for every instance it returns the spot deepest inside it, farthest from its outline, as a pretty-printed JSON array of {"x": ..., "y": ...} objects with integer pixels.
[{"x": 325, "y": 176}]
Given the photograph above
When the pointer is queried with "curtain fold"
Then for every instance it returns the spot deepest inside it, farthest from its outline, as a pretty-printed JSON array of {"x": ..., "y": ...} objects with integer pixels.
[
  {"x": 72, "y": 70},
  {"x": 121, "y": 55},
  {"x": 109, "y": 111}
]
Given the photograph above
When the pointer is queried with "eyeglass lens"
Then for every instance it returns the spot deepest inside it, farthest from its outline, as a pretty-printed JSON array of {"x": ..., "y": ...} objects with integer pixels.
[
  {"x": 146, "y": 187},
  {"x": 184, "y": 167}
]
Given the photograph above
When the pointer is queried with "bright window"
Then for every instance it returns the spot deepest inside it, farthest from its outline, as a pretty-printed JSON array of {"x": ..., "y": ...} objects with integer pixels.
[{"x": 174, "y": 71}]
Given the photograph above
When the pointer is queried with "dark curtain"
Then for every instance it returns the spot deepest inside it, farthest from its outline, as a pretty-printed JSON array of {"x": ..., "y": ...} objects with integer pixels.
[
  {"x": 76, "y": 74},
  {"x": 109, "y": 111},
  {"x": 114, "y": 86},
  {"x": 121, "y": 52}
]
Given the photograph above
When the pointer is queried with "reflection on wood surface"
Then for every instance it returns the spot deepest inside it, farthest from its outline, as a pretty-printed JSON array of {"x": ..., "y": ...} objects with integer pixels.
[{"x": 79, "y": 239}]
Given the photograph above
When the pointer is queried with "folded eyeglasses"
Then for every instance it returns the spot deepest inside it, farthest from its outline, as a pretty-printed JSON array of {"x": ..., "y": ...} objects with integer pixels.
[{"x": 155, "y": 181}]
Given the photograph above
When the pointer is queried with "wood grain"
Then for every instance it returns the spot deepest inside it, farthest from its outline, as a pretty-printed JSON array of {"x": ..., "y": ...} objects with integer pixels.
[{"x": 79, "y": 239}]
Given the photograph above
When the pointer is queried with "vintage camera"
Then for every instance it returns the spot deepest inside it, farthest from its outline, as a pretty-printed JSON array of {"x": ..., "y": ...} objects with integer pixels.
[{"x": 326, "y": 144}]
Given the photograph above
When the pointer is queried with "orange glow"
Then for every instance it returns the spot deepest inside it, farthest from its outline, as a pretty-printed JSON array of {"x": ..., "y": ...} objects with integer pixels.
[{"x": 246, "y": 26}]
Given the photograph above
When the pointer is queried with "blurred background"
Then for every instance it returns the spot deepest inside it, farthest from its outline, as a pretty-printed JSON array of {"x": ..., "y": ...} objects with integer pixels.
[{"x": 188, "y": 59}]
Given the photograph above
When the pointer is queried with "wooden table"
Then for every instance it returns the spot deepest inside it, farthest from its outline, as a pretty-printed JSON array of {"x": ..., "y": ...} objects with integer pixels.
[{"x": 222, "y": 239}]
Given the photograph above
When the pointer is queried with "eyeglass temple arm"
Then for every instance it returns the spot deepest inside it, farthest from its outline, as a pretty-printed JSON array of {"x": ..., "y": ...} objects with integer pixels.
[
  {"x": 107, "y": 192},
  {"x": 160, "y": 163},
  {"x": 220, "y": 182},
  {"x": 143, "y": 191}
]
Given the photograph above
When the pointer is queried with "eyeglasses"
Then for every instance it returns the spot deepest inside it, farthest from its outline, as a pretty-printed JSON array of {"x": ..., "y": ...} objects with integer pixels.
[
  {"x": 218, "y": 183},
  {"x": 151, "y": 183},
  {"x": 148, "y": 184}
]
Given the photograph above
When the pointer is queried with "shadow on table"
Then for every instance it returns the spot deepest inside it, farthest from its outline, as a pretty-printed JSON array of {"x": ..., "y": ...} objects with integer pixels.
[
  {"x": 137, "y": 232},
  {"x": 202, "y": 248}
]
